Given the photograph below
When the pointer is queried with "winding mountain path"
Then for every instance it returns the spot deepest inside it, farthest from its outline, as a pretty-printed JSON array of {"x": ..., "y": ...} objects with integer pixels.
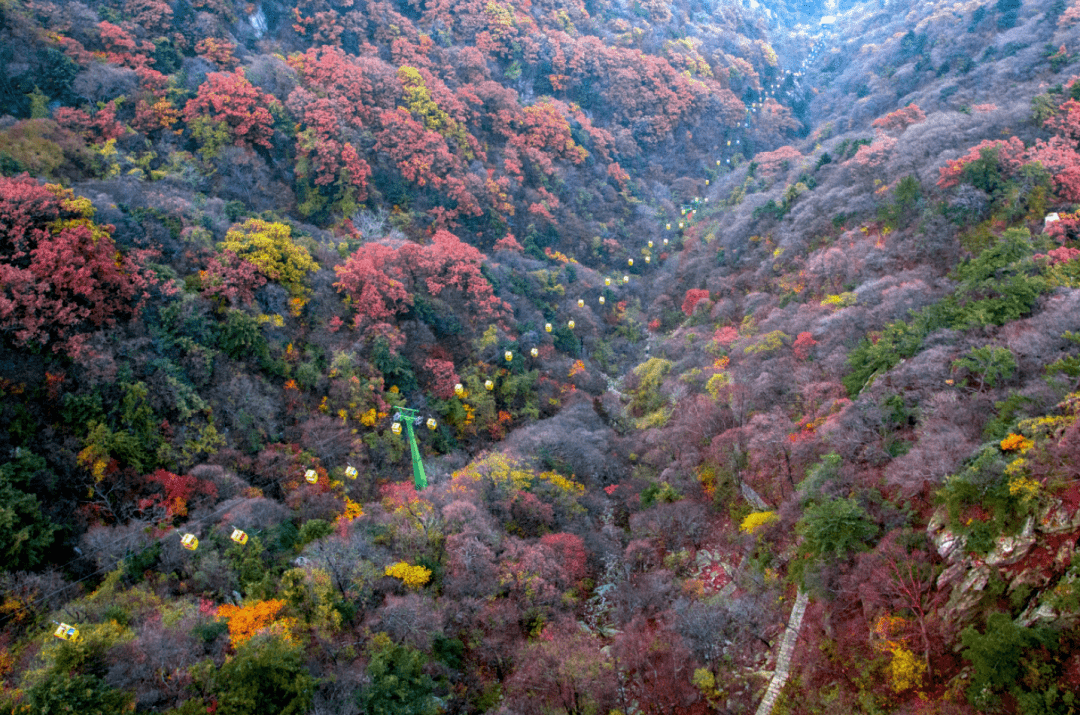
[{"x": 783, "y": 659}]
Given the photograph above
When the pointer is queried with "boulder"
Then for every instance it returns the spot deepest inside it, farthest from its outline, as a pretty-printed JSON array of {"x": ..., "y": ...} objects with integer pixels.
[{"x": 1010, "y": 549}]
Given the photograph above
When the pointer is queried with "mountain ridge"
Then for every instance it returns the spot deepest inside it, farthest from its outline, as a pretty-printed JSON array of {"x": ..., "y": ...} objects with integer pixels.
[{"x": 249, "y": 233}]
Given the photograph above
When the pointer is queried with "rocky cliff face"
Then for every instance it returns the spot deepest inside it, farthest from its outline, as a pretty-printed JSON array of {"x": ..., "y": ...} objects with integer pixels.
[{"x": 1040, "y": 558}]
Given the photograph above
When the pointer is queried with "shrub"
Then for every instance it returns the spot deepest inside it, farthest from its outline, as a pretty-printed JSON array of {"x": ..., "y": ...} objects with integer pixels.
[
  {"x": 25, "y": 533},
  {"x": 836, "y": 527},
  {"x": 659, "y": 493},
  {"x": 650, "y": 374},
  {"x": 998, "y": 286},
  {"x": 983, "y": 504},
  {"x": 267, "y": 675},
  {"x": 399, "y": 685},
  {"x": 999, "y": 656},
  {"x": 987, "y": 364},
  {"x": 313, "y": 530},
  {"x": 411, "y": 576},
  {"x": 756, "y": 520},
  {"x": 245, "y": 622},
  {"x": 83, "y": 694},
  {"x": 770, "y": 342},
  {"x": 240, "y": 336}
]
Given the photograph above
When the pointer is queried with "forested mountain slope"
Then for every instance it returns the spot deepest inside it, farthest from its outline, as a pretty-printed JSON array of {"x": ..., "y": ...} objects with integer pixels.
[{"x": 704, "y": 304}]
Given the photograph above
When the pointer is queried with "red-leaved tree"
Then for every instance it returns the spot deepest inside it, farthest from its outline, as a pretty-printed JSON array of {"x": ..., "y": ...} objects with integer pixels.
[
  {"x": 692, "y": 298},
  {"x": 571, "y": 551},
  {"x": 61, "y": 274},
  {"x": 875, "y": 154},
  {"x": 655, "y": 669},
  {"x": 324, "y": 156},
  {"x": 803, "y": 344},
  {"x": 372, "y": 278},
  {"x": 450, "y": 268},
  {"x": 778, "y": 161},
  {"x": 178, "y": 493},
  {"x": 1009, "y": 154},
  {"x": 1060, "y": 158},
  {"x": 1067, "y": 121},
  {"x": 897, "y": 577},
  {"x": 443, "y": 377},
  {"x": 230, "y": 98},
  {"x": 563, "y": 670},
  {"x": 231, "y": 279},
  {"x": 901, "y": 119}
]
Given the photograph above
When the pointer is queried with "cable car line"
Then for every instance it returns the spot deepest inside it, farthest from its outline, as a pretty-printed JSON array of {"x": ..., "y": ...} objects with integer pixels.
[{"x": 160, "y": 539}]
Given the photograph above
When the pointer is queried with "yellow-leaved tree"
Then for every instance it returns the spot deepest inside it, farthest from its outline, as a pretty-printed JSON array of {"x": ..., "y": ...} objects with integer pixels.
[
  {"x": 906, "y": 670},
  {"x": 756, "y": 520},
  {"x": 270, "y": 248},
  {"x": 411, "y": 576}
]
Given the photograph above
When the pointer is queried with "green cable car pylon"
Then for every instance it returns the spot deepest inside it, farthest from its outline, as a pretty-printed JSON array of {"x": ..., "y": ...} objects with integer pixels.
[{"x": 410, "y": 417}]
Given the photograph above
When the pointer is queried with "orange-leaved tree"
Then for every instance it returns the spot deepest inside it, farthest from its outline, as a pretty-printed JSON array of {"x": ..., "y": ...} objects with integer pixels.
[{"x": 245, "y": 622}]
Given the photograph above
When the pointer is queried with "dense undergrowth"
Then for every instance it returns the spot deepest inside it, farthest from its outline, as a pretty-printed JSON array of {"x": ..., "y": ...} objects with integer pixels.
[{"x": 707, "y": 305}]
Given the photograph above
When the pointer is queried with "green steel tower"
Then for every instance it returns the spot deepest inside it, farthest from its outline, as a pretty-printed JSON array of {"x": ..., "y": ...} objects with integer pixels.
[{"x": 409, "y": 417}]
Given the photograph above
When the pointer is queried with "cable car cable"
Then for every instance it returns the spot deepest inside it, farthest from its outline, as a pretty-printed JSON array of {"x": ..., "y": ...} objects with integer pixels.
[{"x": 8, "y": 616}]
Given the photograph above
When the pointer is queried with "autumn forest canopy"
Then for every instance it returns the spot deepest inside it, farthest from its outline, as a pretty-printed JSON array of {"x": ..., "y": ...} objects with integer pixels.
[{"x": 742, "y": 341}]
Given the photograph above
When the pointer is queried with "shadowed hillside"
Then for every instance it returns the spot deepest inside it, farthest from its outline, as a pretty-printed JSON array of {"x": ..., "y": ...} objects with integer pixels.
[{"x": 705, "y": 309}]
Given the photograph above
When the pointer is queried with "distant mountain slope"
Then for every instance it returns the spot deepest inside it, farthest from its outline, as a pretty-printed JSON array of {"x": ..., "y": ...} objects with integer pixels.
[{"x": 704, "y": 309}]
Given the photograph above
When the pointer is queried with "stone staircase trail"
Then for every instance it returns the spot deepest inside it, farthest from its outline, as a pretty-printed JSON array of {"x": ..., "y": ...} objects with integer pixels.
[{"x": 783, "y": 658}]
